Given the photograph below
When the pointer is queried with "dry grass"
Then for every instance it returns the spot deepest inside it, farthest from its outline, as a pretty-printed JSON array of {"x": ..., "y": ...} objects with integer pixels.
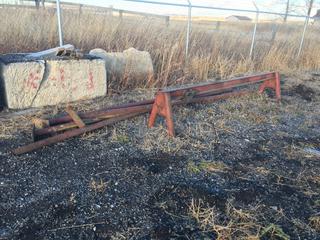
[
  {"x": 315, "y": 222},
  {"x": 208, "y": 167},
  {"x": 213, "y": 54},
  {"x": 98, "y": 186},
  {"x": 238, "y": 224}
]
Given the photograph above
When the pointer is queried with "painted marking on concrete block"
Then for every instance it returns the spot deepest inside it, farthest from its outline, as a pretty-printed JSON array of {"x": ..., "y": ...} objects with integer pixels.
[{"x": 90, "y": 81}]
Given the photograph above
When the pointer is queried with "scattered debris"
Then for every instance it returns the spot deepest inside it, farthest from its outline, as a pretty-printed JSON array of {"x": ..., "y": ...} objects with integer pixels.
[
  {"x": 312, "y": 151},
  {"x": 52, "y": 52}
]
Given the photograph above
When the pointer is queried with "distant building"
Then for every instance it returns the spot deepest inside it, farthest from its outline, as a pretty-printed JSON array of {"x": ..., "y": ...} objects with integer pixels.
[
  {"x": 235, "y": 18},
  {"x": 316, "y": 18}
]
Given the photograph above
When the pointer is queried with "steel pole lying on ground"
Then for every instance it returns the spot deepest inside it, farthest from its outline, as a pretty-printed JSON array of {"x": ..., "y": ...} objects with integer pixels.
[
  {"x": 110, "y": 113},
  {"x": 70, "y": 134},
  {"x": 93, "y": 114}
]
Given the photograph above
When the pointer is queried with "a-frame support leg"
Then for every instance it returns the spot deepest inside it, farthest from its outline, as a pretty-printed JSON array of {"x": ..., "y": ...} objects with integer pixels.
[
  {"x": 162, "y": 106},
  {"x": 273, "y": 84}
]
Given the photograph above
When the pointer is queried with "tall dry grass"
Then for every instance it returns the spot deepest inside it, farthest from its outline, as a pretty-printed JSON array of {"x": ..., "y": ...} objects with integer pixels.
[{"x": 213, "y": 54}]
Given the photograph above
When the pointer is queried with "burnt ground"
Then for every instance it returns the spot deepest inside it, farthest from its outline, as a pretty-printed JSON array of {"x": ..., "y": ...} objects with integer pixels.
[{"x": 238, "y": 169}]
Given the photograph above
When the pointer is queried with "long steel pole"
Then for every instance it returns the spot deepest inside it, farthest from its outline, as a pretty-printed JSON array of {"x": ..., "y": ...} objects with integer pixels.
[
  {"x": 188, "y": 29},
  {"x": 59, "y": 23},
  {"x": 254, "y": 31},
  {"x": 303, "y": 35},
  {"x": 305, "y": 27}
]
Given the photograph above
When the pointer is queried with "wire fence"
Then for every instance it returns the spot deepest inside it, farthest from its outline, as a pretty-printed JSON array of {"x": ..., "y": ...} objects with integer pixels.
[{"x": 189, "y": 7}]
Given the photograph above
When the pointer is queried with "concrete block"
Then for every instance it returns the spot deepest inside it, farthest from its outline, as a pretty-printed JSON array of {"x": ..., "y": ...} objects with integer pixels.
[
  {"x": 52, "y": 82},
  {"x": 130, "y": 64}
]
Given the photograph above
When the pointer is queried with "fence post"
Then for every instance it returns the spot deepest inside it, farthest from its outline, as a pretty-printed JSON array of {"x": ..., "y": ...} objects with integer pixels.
[
  {"x": 37, "y": 3},
  {"x": 167, "y": 20},
  {"x": 120, "y": 14},
  {"x": 59, "y": 23},
  {"x": 303, "y": 35},
  {"x": 305, "y": 26},
  {"x": 218, "y": 23},
  {"x": 80, "y": 9},
  {"x": 110, "y": 11},
  {"x": 254, "y": 31},
  {"x": 188, "y": 29}
]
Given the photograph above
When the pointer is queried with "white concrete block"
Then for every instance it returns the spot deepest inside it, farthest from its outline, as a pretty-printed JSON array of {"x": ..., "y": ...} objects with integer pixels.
[
  {"x": 130, "y": 64},
  {"x": 21, "y": 83},
  {"x": 52, "y": 82}
]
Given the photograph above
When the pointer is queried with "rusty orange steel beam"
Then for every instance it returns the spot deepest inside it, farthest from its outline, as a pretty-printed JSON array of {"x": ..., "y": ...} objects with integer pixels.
[{"x": 222, "y": 85}]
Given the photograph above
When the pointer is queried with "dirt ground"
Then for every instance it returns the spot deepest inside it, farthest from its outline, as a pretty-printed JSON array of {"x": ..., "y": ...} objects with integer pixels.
[{"x": 243, "y": 168}]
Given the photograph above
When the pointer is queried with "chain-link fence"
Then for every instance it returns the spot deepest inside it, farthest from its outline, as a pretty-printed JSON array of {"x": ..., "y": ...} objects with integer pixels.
[{"x": 262, "y": 29}]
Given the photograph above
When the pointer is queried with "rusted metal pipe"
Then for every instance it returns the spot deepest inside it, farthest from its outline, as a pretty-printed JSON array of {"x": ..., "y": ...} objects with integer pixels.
[
  {"x": 93, "y": 114},
  {"x": 70, "y": 134},
  {"x": 96, "y": 118}
]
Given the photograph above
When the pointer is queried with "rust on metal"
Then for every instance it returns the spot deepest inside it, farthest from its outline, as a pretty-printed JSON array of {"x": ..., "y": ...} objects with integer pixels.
[
  {"x": 92, "y": 114},
  {"x": 40, "y": 123},
  {"x": 95, "y": 118},
  {"x": 70, "y": 134},
  {"x": 75, "y": 117},
  {"x": 208, "y": 92}
]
